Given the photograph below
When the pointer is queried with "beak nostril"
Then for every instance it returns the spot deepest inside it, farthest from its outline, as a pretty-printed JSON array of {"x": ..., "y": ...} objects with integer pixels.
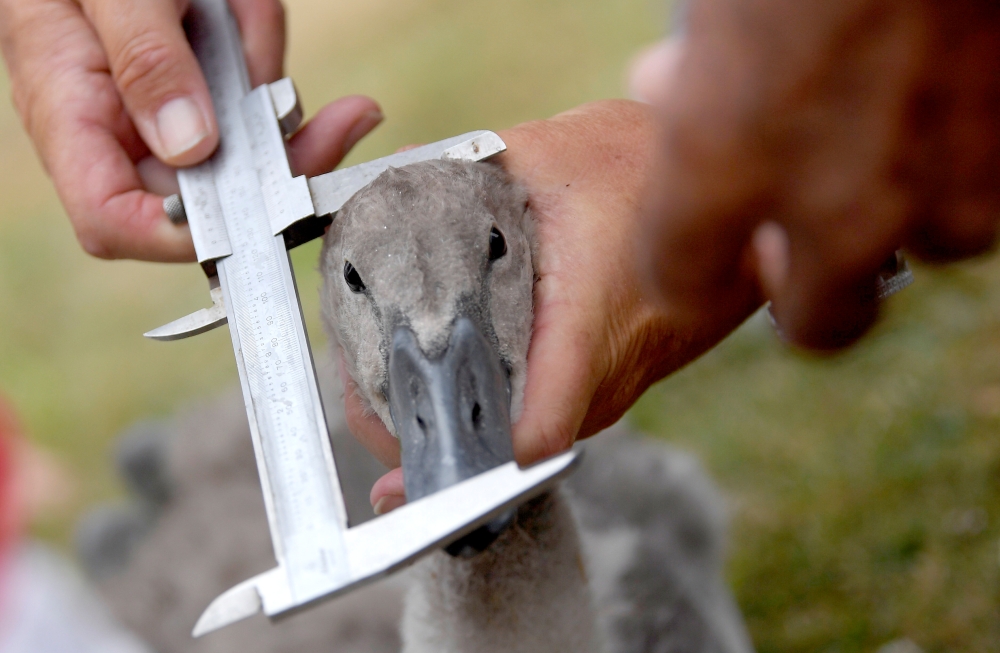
[
  {"x": 476, "y": 414},
  {"x": 421, "y": 423}
]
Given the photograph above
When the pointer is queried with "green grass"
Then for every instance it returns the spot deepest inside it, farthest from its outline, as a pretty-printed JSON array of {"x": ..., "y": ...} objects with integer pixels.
[{"x": 864, "y": 487}]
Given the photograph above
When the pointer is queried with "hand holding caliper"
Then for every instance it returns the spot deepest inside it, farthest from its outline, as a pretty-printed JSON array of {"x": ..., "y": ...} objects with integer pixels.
[{"x": 245, "y": 210}]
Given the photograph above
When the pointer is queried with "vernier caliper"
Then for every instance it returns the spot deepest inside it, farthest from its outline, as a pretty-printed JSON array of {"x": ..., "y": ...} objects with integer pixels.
[{"x": 245, "y": 210}]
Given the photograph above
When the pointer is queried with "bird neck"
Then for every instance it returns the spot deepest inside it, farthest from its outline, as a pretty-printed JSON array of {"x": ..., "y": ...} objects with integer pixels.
[{"x": 527, "y": 592}]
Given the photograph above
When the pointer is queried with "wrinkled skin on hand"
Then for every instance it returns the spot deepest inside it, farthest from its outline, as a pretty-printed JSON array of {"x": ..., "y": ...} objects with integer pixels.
[
  {"x": 597, "y": 341},
  {"x": 806, "y": 140},
  {"x": 111, "y": 96}
]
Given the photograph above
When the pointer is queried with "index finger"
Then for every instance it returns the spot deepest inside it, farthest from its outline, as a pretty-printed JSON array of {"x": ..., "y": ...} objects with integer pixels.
[{"x": 72, "y": 110}]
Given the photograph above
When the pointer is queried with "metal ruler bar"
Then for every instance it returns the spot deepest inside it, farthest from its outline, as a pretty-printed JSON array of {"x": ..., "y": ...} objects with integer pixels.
[
  {"x": 238, "y": 205},
  {"x": 302, "y": 496},
  {"x": 209, "y": 29}
]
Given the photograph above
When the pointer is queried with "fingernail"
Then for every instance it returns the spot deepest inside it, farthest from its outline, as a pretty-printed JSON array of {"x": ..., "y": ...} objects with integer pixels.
[
  {"x": 181, "y": 126},
  {"x": 365, "y": 124},
  {"x": 388, "y": 503},
  {"x": 771, "y": 245}
]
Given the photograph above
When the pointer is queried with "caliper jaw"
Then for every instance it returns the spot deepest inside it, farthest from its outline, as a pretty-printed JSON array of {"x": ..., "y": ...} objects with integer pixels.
[
  {"x": 287, "y": 108},
  {"x": 304, "y": 208},
  {"x": 200, "y": 321},
  {"x": 330, "y": 191},
  {"x": 383, "y": 545}
]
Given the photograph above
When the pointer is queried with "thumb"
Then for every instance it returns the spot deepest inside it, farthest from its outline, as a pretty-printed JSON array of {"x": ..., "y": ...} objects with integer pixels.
[
  {"x": 157, "y": 76},
  {"x": 562, "y": 378}
]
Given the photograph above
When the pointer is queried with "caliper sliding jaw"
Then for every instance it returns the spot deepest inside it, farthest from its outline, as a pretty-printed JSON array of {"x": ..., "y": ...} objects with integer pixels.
[{"x": 245, "y": 210}]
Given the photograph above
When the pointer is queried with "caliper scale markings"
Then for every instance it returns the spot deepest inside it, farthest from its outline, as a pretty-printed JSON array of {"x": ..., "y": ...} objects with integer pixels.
[{"x": 256, "y": 278}]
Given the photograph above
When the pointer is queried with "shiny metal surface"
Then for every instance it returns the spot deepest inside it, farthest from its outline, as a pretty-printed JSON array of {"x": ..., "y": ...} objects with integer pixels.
[
  {"x": 330, "y": 191},
  {"x": 174, "y": 208},
  {"x": 388, "y": 543},
  {"x": 304, "y": 505},
  {"x": 287, "y": 109},
  {"x": 238, "y": 205},
  {"x": 200, "y": 321},
  {"x": 895, "y": 276},
  {"x": 482, "y": 145}
]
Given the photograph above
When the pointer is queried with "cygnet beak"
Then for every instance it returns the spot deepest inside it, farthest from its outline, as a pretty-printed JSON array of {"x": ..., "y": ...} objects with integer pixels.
[{"x": 452, "y": 416}]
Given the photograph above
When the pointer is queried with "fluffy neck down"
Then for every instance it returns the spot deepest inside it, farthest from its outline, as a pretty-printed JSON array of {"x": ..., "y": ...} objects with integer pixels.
[{"x": 525, "y": 594}]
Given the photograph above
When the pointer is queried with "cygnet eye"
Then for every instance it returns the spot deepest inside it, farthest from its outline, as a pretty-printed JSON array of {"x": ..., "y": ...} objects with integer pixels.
[
  {"x": 352, "y": 278},
  {"x": 498, "y": 246}
]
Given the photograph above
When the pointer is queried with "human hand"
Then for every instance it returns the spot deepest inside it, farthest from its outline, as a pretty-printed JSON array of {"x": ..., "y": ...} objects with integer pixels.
[
  {"x": 597, "y": 342},
  {"x": 111, "y": 95},
  {"x": 805, "y": 142}
]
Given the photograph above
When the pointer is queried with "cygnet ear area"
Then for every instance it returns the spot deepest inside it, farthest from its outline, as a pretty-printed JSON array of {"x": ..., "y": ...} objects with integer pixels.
[{"x": 414, "y": 248}]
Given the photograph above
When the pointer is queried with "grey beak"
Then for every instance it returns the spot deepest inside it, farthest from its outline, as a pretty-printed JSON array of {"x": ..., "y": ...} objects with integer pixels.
[{"x": 452, "y": 416}]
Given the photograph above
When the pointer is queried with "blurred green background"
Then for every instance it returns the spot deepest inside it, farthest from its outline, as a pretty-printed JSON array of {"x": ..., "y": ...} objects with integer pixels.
[{"x": 863, "y": 487}]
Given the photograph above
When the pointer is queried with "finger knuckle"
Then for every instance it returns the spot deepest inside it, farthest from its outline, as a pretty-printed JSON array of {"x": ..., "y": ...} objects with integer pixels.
[
  {"x": 39, "y": 106},
  {"x": 32, "y": 101},
  {"x": 143, "y": 63}
]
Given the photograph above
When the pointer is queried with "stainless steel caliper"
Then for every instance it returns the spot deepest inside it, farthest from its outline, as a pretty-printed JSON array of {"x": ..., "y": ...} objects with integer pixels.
[{"x": 245, "y": 210}]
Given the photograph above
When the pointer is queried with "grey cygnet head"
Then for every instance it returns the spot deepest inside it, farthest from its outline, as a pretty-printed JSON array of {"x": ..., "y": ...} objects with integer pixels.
[{"x": 428, "y": 275}]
